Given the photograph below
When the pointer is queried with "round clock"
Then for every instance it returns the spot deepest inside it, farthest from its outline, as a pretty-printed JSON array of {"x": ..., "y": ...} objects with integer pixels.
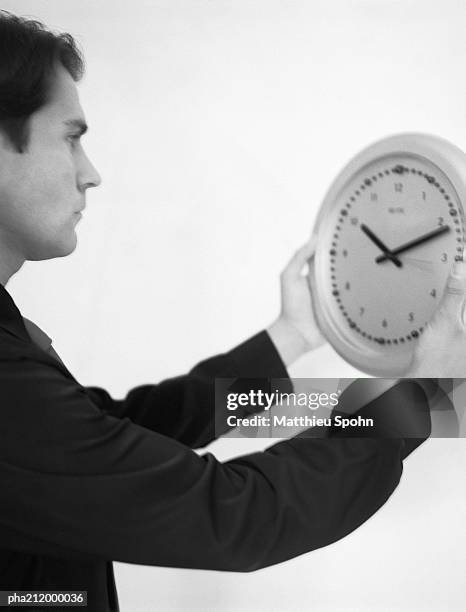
[{"x": 387, "y": 234}]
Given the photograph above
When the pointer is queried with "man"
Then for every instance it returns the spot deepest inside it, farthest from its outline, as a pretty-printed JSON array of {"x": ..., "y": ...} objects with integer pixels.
[{"x": 87, "y": 479}]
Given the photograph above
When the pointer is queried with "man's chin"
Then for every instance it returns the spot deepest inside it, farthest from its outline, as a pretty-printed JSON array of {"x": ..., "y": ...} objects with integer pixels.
[{"x": 58, "y": 249}]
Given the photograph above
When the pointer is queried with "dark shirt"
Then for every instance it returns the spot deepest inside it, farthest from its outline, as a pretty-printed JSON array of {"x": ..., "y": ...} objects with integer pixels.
[{"x": 87, "y": 479}]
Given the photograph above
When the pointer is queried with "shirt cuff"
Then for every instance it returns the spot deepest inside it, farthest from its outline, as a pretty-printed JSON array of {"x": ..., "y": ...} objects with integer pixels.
[{"x": 257, "y": 357}]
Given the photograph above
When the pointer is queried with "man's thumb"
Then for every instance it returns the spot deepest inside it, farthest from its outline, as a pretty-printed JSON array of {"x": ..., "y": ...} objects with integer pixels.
[{"x": 454, "y": 296}]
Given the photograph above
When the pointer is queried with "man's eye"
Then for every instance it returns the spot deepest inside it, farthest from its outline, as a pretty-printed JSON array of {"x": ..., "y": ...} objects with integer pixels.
[{"x": 73, "y": 138}]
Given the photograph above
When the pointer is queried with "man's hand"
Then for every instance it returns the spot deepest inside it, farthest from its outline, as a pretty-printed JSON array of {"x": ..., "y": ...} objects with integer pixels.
[
  {"x": 441, "y": 349},
  {"x": 295, "y": 331}
]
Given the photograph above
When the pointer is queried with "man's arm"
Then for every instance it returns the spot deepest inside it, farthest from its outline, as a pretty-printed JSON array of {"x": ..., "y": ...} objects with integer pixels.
[
  {"x": 78, "y": 482},
  {"x": 183, "y": 408}
]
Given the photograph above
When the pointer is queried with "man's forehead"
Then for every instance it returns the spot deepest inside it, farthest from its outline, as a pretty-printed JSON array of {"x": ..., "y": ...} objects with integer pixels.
[{"x": 63, "y": 102}]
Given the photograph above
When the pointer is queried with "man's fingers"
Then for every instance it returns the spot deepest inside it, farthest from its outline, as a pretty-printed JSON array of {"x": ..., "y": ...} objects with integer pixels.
[
  {"x": 454, "y": 296},
  {"x": 300, "y": 258}
]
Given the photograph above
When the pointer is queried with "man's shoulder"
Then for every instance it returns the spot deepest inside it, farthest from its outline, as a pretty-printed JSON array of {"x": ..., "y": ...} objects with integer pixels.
[
  {"x": 34, "y": 383},
  {"x": 18, "y": 355},
  {"x": 13, "y": 347}
]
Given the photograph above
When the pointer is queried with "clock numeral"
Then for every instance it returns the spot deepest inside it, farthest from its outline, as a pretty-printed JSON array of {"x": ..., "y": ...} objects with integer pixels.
[
  {"x": 440, "y": 221},
  {"x": 384, "y": 323},
  {"x": 345, "y": 253},
  {"x": 399, "y": 187},
  {"x": 433, "y": 293},
  {"x": 444, "y": 257},
  {"x": 374, "y": 197},
  {"x": 347, "y": 286},
  {"x": 361, "y": 311},
  {"x": 423, "y": 195},
  {"x": 354, "y": 220},
  {"x": 411, "y": 316}
]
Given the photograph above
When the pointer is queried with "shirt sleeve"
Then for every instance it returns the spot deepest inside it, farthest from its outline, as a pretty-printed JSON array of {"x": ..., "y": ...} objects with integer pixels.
[
  {"x": 184, "y": 407},
  {"x": 78, "y": 482},
  {"x": 403, "y": 412}
]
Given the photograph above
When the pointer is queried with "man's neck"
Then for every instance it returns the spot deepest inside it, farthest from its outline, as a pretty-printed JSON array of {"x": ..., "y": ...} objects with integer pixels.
[{"x": 10, "y": 263}]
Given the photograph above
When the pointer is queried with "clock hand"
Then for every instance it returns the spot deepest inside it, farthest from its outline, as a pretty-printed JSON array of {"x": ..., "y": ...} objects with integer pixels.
[
  {"x": 420, "y": 264},
  {"x": 413, "y": 243},
  {"x": 387, "y": 253}
]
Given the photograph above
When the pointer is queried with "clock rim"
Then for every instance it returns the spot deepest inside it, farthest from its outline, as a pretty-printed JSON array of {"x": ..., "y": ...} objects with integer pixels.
[{"x": 450, "y": 160}]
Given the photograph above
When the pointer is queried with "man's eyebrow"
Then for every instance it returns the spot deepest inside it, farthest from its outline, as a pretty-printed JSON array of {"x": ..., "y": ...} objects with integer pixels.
[{"x": 78, "y": 124}]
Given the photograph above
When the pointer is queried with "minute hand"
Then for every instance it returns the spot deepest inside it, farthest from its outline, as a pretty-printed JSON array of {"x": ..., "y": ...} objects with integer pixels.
[{"x": 416, "y": 242}]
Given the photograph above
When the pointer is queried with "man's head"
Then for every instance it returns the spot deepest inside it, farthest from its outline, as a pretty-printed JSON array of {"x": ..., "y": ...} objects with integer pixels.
[{"x": 44, "y": 171}]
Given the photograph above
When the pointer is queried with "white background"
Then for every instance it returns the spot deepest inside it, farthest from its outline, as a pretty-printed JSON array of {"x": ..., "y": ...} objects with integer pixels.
[{"x": 217, "y": 127}]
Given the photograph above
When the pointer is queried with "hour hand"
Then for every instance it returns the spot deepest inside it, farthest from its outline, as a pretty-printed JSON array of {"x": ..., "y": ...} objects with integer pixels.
[{"x": 386, "y": 251}]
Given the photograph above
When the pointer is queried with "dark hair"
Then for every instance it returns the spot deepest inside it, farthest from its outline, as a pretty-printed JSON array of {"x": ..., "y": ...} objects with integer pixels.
[{"x": 29, "y": 53}]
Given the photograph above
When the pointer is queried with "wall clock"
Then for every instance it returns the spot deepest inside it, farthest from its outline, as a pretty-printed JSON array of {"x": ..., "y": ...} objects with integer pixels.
[{"x": 388, "y": 231}]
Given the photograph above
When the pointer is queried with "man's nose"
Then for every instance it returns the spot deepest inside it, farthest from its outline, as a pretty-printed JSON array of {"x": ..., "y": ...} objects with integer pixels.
[{"x": 88, "y": 176}]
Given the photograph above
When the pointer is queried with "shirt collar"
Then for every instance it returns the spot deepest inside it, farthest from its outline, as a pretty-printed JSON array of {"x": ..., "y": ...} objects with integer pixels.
[
  {"x": 10, "y": 316},
  {"x": 12, "y": 321}
]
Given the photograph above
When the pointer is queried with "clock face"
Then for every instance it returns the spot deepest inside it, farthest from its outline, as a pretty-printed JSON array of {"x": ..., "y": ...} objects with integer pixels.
[
  {"x": 388, "y": 233},
  {"x": 394, "y": 233}
]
